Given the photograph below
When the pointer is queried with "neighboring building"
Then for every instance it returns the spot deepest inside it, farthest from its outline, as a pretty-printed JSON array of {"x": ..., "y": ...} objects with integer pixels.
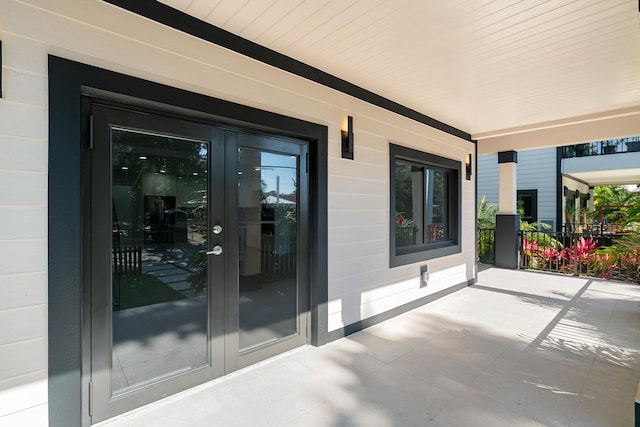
[
  {"x": 555, "y": 185},
  {"x": 537, "y": 183}
]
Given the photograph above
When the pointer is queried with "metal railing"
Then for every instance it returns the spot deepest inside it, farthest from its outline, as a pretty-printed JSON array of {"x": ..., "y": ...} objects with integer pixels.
[
  {"x": 486, "y": 245},
  {"x": 572, "y": 253},
  {"x": 597, "y": 148},
  {"x": 577, "y": 254}
]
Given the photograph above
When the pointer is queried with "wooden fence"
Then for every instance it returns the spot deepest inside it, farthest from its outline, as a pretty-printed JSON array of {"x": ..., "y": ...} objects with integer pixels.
[{"x": 127, "y": 261}]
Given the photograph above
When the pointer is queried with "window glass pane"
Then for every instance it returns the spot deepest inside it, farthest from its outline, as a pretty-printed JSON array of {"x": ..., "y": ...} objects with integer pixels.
[
  {"x": 159, "y": 286},
  {"x": 268, "y": 219},
  {"x": 409, "y": 203},
  {"x": 421, "y": 204},
  {"x": 437, "y": 206}
]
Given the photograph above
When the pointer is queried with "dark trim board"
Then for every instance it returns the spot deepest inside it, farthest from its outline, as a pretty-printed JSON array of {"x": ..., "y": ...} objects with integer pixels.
[
  {"x": 559, "y": 189},
  {"x": 637, "y": 407},
  {"x": 507, "y": 243},
  {"x": 68, "y": 141},
  {"x": 379, "y": 318},
  {"x": 185, "y": 23},
  {"x": 507, "y": 157},
  {"x": 476, "y": 258}
]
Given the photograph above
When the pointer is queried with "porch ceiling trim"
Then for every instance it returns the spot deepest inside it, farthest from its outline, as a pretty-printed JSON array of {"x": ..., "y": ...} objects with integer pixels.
[
  {"x": 166, "y": 15},
  {"x": 616, "y": 124}
]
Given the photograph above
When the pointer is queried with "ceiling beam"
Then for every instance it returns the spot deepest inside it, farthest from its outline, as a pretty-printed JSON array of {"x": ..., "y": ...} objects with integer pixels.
[{"x": 612, "y": 125}]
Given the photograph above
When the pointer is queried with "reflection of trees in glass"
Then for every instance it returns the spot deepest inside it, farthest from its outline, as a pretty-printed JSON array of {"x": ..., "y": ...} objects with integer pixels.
[
  {"x": 404, "y": 193},
  {"x": 162, "y": 185},
  {"x": 198, "y": 265},
  {"x": 423, "y": 220},
  {"x": 439, "y": 196},
  {"x": 155, "y": 165}
]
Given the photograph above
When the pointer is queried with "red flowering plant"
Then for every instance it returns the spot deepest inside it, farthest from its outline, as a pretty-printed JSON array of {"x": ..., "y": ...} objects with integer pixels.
[
  {"x": 550, "y": 257},
  {"x": 402, "y": 220},
  {"x": 603, "y": 264},
  {"x": 529, "y": 252},
  {"x": 581, "y": 253},
  {"x": 529, "y": 248},
  {"x": 621, "y": 259},
  {"x": 405, "y": 230},
  {"x": 435, "y": 232}
]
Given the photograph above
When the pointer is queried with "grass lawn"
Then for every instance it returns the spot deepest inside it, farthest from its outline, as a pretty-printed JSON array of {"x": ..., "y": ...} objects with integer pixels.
[{"x": 138, "y": 291}]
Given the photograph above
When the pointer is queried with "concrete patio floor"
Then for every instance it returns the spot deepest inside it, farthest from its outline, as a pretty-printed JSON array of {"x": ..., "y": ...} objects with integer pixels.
[{"x": 516, "y": 349}]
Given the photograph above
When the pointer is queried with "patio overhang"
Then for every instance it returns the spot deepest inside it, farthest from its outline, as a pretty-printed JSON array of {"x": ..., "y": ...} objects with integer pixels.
[{"x": 512, "y": 75}]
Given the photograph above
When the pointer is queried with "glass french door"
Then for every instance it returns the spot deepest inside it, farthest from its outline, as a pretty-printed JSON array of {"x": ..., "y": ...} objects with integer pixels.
[
  {"x": 198, "y": 260},
  {"x": 266, "y": 310}
]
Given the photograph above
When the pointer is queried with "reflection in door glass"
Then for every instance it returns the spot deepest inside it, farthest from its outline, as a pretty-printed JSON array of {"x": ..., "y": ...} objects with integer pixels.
[
  {"x": 159, "y": 214},
  {"x": 268, "y": 217}
]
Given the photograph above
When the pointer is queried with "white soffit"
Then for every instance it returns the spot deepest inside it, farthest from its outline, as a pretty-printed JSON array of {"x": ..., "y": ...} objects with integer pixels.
[
  {"x": 483, "y": 66},
  {"x": 609, "y": 177}
]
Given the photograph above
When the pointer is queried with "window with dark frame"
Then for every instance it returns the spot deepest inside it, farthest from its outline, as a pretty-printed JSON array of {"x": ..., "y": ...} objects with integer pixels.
[
  {"x": 528, "y": 205},
  {"x": 425, "y": 202}
]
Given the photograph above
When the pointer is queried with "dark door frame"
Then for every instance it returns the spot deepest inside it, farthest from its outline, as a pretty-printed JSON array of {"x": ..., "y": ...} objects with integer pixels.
[
  {"x": 225, "y": 355},
  {"x": 69, "y": 131}
]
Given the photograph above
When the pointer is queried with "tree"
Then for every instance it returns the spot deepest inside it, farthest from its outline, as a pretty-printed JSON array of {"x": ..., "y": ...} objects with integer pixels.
[
  {"x": 611, "y": 198},
  {"x": 486, "y": 214}
]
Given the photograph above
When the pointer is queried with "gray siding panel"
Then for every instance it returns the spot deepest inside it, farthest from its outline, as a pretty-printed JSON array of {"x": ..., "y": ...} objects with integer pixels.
[
  {"x": 488, "y": 178},
  {"x": 536, "y": 171}
]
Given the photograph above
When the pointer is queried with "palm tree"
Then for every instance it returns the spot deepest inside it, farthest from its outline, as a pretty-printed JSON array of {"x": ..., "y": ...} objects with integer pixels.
[
  {"x": 486, "y": 214},
  {"x": 612, "y": 199}
]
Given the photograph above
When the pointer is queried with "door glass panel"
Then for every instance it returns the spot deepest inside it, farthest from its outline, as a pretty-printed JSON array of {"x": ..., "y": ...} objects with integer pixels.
[
  {"x": 159, "y": 286},
  {"x": 268, "y": 218}
]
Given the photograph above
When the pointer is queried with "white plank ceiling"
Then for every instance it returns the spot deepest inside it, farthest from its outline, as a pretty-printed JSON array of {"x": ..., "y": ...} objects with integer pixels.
[{"x": 483, "y": 66}]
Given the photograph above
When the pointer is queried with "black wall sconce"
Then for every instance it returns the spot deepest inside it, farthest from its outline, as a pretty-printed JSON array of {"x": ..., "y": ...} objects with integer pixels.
[
  {"x": 577, "y": 194},
  {"x": 347, "y": 140},
  {"x": 565, "y": 191},
  {"x": 468, "y": 166}
]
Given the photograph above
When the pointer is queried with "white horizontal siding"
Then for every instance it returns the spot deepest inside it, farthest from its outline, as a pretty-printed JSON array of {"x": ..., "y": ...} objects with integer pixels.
[
  {"x": 23, "y": 154},
  {"x": 20, "y": 360},
  {"x": 23, "y": 233},
  {"x": 23, "y": 397},
  {"x": 34, "y": 416},
  {"x": 22, "y": 290}
]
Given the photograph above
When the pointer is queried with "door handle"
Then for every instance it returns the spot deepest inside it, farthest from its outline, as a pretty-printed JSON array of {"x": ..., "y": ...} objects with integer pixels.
[{"x": 216, "y": 250}]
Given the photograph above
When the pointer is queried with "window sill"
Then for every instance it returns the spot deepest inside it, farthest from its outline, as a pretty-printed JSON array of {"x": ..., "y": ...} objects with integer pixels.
[{"x": 418, "y": 254}]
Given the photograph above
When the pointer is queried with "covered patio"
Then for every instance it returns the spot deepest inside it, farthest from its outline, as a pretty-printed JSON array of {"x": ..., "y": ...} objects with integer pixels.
[{"x": 516, "y": 349}]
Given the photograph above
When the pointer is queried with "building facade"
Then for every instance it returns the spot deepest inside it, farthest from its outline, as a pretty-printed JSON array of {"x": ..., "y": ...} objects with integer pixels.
[
  {"x": 173, "y": 209},
  {"x": 555, "y": 185}
]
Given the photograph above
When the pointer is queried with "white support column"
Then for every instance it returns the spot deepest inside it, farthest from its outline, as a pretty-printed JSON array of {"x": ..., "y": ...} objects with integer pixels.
[
  {"x": 507, "y": 221},
  {"x": 507, "y": 188}
]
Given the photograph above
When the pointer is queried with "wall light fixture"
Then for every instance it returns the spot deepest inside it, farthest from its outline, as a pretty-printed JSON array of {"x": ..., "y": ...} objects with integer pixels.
[{"x": 347, "y": 139}]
